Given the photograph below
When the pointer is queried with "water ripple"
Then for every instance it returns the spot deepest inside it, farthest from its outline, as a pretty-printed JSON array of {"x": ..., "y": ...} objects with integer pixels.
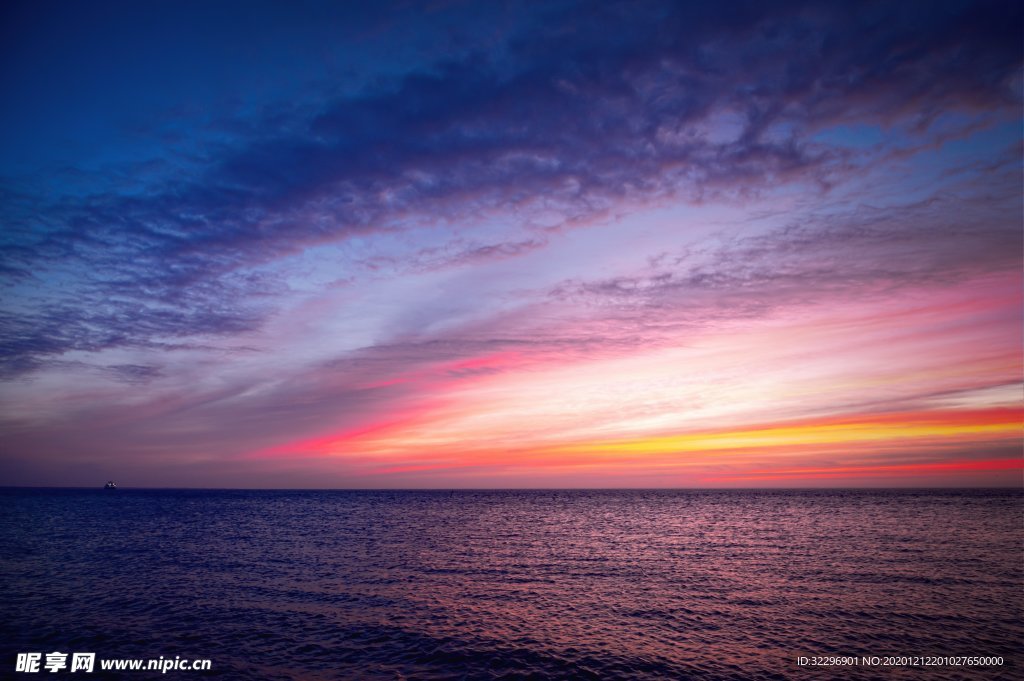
[{"x": 514, "y": 585}]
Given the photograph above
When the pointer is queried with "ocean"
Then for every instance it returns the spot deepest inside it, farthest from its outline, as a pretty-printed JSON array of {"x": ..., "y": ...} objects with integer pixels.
[{"x": 608, "y": 584}]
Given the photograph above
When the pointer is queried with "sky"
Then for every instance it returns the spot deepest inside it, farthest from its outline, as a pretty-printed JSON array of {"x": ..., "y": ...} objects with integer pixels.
[{"x": 503, "y": 244}]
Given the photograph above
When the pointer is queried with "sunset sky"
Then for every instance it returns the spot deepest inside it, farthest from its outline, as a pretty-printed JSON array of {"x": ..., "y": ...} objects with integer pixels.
[{"x": 501, "y": 244}]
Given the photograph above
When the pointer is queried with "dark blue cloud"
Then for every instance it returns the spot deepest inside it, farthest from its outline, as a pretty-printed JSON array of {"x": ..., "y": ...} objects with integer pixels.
[{"x": 352, "y": 120}]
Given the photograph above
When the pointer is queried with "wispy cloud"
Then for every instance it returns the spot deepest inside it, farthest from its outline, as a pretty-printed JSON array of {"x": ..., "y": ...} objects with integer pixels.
[
  {"x": 562, "y": 120},
  {"x": 448, "y": 205}
]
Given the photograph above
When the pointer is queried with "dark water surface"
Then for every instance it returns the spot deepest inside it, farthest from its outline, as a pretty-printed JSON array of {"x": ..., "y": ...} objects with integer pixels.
[{"x": 535, "y": 584}]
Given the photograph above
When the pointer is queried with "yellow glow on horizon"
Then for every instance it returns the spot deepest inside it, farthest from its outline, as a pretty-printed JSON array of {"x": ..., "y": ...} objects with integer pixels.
[{"x": 1006, "y": 422}]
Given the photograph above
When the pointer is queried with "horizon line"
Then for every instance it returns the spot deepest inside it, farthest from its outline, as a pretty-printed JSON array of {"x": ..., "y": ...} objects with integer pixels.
[{"x": 525, "y": 489}]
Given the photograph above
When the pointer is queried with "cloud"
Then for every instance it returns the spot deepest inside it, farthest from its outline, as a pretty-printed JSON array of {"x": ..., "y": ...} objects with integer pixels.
[
  {"x": 869, "y": 251},
  {"x": 562, "y": 119}
]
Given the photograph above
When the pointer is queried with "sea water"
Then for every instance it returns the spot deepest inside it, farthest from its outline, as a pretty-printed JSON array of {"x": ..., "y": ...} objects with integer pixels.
[{"x": 517, "y": 584}]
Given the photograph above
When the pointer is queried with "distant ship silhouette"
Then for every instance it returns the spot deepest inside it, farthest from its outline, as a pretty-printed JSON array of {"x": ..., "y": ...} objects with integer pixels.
[{"x": 110, "y": 485}]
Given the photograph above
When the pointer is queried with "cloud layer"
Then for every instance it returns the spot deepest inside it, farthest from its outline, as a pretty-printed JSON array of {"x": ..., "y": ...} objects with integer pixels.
[{"x": 391, "y": 207}]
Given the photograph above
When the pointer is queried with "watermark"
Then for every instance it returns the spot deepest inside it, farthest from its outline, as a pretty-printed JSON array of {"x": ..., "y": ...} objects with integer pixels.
[
  {"x": 900, "y": 661},
  {"x": 86, "y": 662}
]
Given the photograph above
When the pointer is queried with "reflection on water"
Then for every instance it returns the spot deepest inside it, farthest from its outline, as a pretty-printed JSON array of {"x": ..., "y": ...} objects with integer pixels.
[{"x": 539, "y": 584}]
